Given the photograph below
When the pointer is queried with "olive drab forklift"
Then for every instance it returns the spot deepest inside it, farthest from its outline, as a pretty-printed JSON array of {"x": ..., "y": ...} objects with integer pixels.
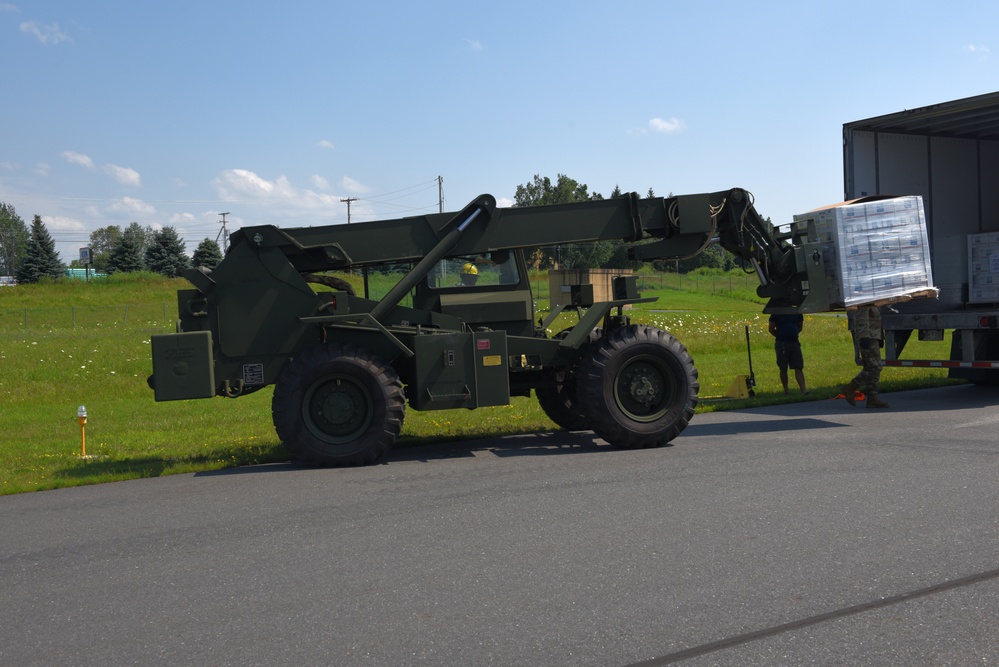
[{"x": 346, "y": 367}]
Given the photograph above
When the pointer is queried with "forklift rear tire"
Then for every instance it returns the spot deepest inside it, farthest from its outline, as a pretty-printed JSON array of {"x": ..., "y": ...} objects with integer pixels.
[
  {"x": 560, "y": 403},
  {"x": 638, "y": 387},
  {"x": 338, "y": 405},
  {"x": 559, "y": 400}
]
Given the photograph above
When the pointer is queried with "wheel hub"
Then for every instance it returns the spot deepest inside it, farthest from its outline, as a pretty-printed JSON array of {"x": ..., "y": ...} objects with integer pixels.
[
  {"x": 643, "y": 389},
  {"x": 644, "y": 384},
  {"x": 337, "y": 409}
]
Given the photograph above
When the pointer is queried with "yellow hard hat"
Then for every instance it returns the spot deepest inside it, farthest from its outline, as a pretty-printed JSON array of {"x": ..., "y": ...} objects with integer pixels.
[{"x": 470, "y": 269}]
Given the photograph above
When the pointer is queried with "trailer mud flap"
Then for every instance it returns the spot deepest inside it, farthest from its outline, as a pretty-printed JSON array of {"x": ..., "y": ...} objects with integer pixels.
[{"x": 183, "y": 366}]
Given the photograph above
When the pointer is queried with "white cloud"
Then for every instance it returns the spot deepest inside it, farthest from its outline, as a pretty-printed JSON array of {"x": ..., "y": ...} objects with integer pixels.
[
  {"x": 352, "y": 186},
  {"x": 182, "y": 218},
  {"x": 7, "y": 7},
  {"x": 668, "y": 126},
  {"x": 62, "y": 224},
  {"x": 242, "y": 184},
  {"x": 41, "y": 169},
  {"x": 325, "y": 143},
  {"x": 131, "y": 206},
  {"x": 979, "y": 50},
  {"x": 279, "y": 199},
  {"x": 124, "y": 175},
  {"x": 78, "y": 158},
  {"x": 46, "y": 34},
  {"x": 473, "y": 44}
]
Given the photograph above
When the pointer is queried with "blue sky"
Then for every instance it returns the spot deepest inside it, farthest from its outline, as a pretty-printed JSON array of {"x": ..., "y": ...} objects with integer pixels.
[{"x": 171, "y": 113}]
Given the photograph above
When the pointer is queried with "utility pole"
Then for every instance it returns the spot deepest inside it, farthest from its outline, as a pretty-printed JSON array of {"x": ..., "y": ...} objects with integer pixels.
[
  {"x": 440, "y": 194},
  {"x": 223, "y": 233},
  {"x": 347, "y": 202}
]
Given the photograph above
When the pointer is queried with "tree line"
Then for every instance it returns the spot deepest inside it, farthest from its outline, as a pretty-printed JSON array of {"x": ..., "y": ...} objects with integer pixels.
[
  {"x": 542, "y": 191},
  {"x": 29, "y": 254},
  {"x": 138, "y": 248}
]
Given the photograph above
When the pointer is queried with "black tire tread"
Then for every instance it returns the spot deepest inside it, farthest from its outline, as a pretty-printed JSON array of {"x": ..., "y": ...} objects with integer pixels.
[
  {"x": 597, "y": 375},
  {"x": 388, "y": 397}
]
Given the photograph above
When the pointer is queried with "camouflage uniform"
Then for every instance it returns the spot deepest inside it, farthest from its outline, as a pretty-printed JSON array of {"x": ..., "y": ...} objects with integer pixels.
[{"x": 867, "y": 332}]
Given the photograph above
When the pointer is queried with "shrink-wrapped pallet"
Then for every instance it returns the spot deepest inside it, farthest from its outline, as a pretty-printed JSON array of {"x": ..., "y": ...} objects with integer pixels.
[{"x": 874, "y": 250}]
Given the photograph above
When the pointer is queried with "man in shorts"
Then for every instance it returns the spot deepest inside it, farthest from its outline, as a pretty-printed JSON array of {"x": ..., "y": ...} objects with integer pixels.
[{"x": 785, "y": 330}]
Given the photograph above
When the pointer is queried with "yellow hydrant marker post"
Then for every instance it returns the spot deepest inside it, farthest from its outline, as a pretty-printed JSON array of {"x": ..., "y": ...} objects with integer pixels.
[{"x": 81, "y": 418}]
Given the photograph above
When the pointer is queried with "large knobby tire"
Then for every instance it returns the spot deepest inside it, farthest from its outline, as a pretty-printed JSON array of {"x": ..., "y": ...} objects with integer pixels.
[
  {"x": 558, "y": 400},
  {"x": 638, "y": 387},
  {"x": 338, "y": 405},
  {"x": 560, "y": 403}
]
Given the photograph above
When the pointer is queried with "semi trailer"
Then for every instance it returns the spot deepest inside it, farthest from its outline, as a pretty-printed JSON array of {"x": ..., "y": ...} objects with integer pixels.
[{"x": 948, "y": 154}]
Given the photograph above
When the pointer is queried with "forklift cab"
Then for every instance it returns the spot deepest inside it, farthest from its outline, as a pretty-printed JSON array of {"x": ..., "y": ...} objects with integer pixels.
[{"x": 486, "y": 291}]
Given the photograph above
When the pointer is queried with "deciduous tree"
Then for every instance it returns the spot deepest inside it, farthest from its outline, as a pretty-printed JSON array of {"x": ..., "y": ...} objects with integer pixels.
[
  {"x": 542, "y": 192},
  {"x": 101, "y": 242}
]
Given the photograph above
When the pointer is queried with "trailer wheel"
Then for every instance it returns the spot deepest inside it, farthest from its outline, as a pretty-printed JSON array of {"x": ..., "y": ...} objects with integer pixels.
[
  {"x": 638, "y": 387},
  {"x": 338, "y": 405}
]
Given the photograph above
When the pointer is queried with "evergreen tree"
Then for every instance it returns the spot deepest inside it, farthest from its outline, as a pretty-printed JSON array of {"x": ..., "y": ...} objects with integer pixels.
[
  {"x": 41, "y": 260},
  {"x": 165, "y": 254},
  {"x": 207, "y": 254},
  {"x": 14, "y": 236},
  {"x": 125, "y": 255}
]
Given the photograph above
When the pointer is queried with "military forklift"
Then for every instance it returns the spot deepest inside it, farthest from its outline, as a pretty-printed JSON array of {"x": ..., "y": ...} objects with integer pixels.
[{"x": 345, "y": 367}]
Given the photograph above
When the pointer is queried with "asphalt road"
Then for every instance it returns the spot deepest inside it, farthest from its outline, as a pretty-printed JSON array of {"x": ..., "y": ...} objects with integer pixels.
[{"x": 810, "y": 533}]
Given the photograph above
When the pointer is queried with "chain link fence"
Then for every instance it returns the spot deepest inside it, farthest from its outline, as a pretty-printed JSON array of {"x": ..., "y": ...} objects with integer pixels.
[
  {"x": 141, "y": 317},
  {"x": 650, "y": 282}
]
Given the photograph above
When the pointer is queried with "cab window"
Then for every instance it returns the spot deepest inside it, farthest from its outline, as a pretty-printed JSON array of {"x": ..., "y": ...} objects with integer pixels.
[{"x": 486, "y": 270}]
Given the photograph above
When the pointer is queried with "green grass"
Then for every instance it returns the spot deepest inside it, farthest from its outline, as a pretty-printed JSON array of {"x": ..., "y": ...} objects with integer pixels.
[{"x": 67, "y": 344}]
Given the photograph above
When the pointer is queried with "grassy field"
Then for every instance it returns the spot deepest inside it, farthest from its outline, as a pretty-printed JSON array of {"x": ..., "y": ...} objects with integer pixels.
[{"x": 74, "y": 343}]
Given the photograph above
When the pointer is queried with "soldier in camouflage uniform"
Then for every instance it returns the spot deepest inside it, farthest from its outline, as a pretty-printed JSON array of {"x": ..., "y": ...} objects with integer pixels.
[{"x": 868, "y": 335}]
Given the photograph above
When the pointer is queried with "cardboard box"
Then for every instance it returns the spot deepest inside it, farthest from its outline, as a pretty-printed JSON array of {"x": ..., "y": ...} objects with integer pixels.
[
  {"x": 874, "y": 249},
  {"x": 983, "y": 267}
]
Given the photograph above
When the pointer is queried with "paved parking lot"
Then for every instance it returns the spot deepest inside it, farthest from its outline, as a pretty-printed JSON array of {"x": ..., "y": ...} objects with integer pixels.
[{"x": 811, "y": 533}]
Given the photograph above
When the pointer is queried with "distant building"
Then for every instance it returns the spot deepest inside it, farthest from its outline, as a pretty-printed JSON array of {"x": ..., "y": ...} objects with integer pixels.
[
  {"x": 81, "y": 274},
  {"x": 7, "y": 281}
]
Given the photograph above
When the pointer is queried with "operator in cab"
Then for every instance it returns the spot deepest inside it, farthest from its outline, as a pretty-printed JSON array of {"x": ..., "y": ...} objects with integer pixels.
[{"x": 469, "y": 274}]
